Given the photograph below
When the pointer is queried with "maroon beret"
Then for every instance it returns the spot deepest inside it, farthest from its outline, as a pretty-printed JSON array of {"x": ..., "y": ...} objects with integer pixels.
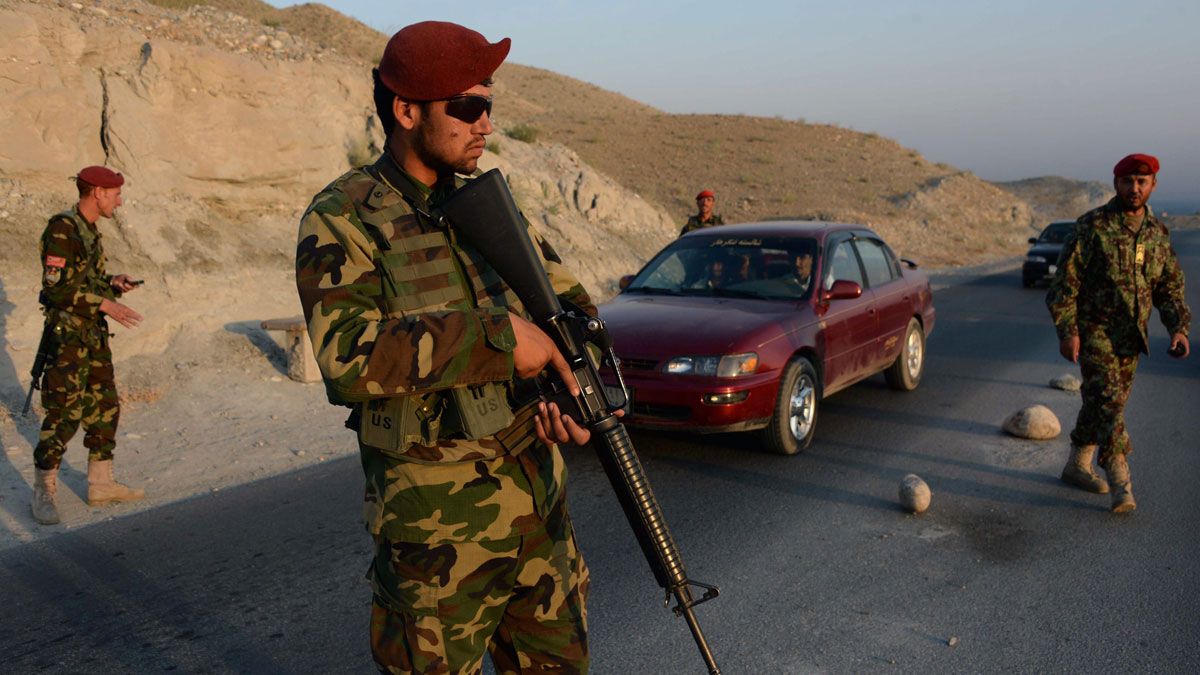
[
  {"x": 101, "y": 176},
  {"x": 1136, "y": 164},
  {"x": 433, "y": 60},
  {"x": 705, "y": 193}
]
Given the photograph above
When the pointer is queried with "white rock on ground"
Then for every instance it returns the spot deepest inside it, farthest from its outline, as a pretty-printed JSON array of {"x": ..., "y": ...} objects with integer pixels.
[
  {"x": 1036, "y": 422},
  {"x": 914, "y": 494},
  {"x": 1067, "y": 382}
]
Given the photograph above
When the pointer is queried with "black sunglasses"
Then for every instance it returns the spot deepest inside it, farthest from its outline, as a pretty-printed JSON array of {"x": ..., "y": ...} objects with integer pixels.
[{"x": 468, "y": 107}]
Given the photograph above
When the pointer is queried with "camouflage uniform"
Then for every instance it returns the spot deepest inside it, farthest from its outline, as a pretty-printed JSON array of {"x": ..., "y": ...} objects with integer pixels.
[
  {"x": 78, "y": 385},
  {"x": 694, "y": 223},
  {"x": 474, "y": 546},
  {"x": 1112, "y": 269}
]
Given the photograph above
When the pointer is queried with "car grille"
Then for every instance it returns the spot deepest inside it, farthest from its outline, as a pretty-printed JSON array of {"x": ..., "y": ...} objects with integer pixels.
[
  {"x": 638, "y": 364},
  {"x": 662, "y": 412}
]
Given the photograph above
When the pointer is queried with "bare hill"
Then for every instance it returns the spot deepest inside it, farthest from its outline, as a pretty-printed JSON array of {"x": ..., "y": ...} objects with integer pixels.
[
  {"x": 760, "y": 167},
  {"x": 1058, "y": 198}
]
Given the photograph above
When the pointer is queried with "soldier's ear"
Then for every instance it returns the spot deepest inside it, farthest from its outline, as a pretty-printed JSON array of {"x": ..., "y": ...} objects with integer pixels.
[{"x": 407, "y": 113}]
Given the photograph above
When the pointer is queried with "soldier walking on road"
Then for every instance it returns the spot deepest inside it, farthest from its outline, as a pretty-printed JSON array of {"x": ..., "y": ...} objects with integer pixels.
[
  {"x": 418, "y": 335},
  {"x": 1116, "y": 264},
  {"x": 705, "y": 201},
  {"x": 78, "y": 385}
]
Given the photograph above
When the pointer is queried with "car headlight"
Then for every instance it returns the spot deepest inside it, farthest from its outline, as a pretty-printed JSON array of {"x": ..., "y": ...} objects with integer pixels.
[
  {"x": 1035, "y": 258},
  {"x": 730, "y": 365}
]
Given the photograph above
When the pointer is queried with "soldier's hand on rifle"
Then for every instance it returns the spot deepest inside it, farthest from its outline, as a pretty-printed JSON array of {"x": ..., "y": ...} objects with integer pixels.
[
  {"x": 123, "y": 283},
  {"x": 1069, "y": 348},
  {"x": 554, "y": 427},
  {"x": 535, "y": 350},
  {"x": 122, "y": 314},
  {"x": 1180, "y": 347}
]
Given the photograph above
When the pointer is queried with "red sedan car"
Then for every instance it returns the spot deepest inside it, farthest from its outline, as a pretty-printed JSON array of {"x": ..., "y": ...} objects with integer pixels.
[{"x": 747, "y": 327}]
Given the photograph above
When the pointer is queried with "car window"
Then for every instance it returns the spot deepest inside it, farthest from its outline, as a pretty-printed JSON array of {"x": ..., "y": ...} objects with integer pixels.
[
  {"x": 1056, "y": 233},
  {"x": 843, "y": 265},
  {"x": 875, "y": 259},
  {"x": 761, "y": 267}
]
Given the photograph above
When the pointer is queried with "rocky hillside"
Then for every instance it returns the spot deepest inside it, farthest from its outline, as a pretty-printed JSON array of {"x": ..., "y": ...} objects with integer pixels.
[{"x": 1058, "y": 198}]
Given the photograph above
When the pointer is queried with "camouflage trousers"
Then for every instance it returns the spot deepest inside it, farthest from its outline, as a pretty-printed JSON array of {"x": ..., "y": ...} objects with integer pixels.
[
  {"x": 78, "y": 388},
  {"x": 1107, "y": 381},
  {"x": 438, "y": 607}
]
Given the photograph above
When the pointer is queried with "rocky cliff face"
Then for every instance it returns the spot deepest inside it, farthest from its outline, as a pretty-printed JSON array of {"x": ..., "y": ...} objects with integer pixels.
[{"x": 224, "y": 129}]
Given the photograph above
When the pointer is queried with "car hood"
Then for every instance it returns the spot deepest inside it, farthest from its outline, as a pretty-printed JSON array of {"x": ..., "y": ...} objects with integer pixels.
[
  {"x": 1050, "y": 251},
  {"x": 654, "y": 324}
]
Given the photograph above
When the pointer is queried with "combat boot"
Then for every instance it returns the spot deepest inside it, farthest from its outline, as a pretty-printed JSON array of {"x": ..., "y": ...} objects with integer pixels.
[
  {"x": 1078, "y": 471},
  {"x": 45, "y": 489},
  {"x": 1117, "y": 469},
  {"x": 103, "y": 489}
]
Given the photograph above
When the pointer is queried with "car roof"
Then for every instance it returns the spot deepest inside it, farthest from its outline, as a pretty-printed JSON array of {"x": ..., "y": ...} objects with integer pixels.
[{"x": 776, "y": 228}]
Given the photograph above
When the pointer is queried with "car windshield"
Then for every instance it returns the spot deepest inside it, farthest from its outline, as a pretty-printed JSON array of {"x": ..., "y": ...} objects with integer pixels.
[
  {"x": 1055, "y": 233},
  {"x": 771, "y": 268}
]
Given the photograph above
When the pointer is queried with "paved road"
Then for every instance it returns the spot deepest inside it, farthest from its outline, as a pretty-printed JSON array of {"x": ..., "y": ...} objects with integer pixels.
[{"x": 819, "y": 569}]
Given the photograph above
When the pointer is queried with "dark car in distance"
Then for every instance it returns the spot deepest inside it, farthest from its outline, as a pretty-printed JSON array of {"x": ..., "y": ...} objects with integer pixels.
[
  {"x": 1041, "y": 262},
  {"x": 747, "y": 327}
]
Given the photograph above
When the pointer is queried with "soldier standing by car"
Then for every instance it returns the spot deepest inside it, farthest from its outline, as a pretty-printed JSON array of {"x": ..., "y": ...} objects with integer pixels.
[
  {"x": 465, "y": 484},
  {"x": 705, "y": 202},
  {"x": 78, "y": 387},
  {"x": 1116, "y": 264}
]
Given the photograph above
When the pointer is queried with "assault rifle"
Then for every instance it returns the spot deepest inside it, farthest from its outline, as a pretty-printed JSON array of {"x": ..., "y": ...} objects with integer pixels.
[
  {"x": 485, "y": 217},
  {"x": 47, "y": 348}
]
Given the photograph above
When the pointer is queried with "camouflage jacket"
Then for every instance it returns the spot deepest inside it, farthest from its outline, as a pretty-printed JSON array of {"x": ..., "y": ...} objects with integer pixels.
[
  {"x": 1109, "y": 276},
  {"x": 398, "y": 309},
  {"x": 74, "y": 280},
  {"x": 693, "y": 223}
]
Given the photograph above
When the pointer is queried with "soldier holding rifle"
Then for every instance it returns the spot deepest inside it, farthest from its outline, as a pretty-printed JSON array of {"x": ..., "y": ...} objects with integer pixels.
[
  {"x": 77, "y": 385},
  {"x": 419, "y": 337}
]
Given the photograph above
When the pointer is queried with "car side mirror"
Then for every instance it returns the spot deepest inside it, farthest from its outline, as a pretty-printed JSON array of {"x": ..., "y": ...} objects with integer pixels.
[
  {"x": 625, "y": 281},
  {"x": 1033, "y": 240},
  {"x": 843, "y": 289}
]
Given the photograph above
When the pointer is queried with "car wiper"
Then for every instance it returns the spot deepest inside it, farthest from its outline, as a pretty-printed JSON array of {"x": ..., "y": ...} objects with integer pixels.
[
  {"x": 736, "y": 293},
  {"x": 652, "y": 290}
]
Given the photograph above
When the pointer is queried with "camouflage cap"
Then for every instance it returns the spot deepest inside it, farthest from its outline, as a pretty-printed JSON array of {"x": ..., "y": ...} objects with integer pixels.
[
  {"x": 100, "y": 176},
  {"x": 433, "y": 60},
  {"x": 1136, "y": 164}
]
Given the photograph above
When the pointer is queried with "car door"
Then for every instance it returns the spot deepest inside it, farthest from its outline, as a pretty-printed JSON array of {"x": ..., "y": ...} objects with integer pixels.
[
  {"x": 848, "y": 325},
  {"x": 893, "y": 297}
]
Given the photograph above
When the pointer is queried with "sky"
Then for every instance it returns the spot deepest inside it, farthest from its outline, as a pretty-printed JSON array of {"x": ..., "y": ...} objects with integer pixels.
[{"x": 1007, "y": 90}]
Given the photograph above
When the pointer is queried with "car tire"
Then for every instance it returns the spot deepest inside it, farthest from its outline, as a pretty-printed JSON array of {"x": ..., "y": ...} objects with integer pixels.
[
  {"x": 794, "y": 421},
  {"x": 905, "y": 372},
  {"x": 1027, "y": 282}
]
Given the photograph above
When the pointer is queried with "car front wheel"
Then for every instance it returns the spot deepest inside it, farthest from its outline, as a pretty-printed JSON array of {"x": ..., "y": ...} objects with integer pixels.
[
  {"x": 905, "y": 373},
  {"x": 795, "y": 420}
]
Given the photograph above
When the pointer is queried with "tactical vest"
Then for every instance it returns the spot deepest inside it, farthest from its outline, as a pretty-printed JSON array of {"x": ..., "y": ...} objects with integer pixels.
[
  {"x": 94, "y": 280},
  {"x": 422, "y": 269}
]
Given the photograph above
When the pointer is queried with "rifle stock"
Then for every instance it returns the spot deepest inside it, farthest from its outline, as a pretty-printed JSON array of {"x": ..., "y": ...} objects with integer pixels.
[{"x": 485, "y": 217}]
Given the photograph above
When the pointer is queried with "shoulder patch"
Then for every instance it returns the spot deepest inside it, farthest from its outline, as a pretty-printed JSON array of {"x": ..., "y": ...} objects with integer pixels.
[{"x": 55, "y": 261}]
